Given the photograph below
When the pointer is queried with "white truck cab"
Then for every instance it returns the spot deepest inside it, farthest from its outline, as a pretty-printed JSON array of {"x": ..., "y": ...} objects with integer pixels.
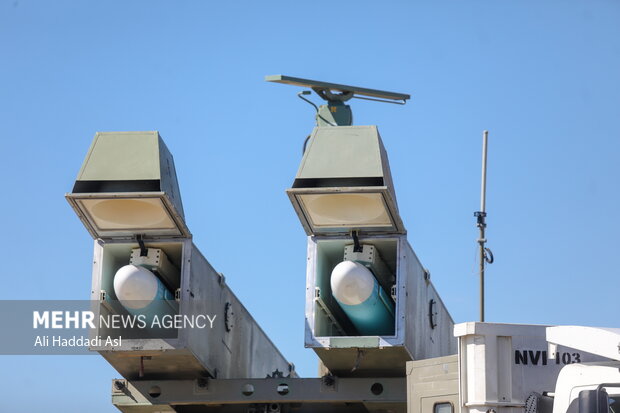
[
  {"x": 576, "y": 378},
  {"x": 588, "y": 387},
  {"x": 511, "y": 368}
]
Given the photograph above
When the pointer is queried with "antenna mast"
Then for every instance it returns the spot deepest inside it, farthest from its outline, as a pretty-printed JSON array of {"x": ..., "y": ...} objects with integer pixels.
[{"x": 486, "y": 256}]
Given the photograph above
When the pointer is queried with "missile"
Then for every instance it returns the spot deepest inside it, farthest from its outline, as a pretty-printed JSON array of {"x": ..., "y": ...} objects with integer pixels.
[
  {"x": 141, "y": 292},
  {"x": 362, "y": 299}
]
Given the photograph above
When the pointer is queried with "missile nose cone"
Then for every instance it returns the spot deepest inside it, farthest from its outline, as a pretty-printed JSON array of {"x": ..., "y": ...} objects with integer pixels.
[
  {"x": 135, "y": 287},
  {"x": 351, "y": 283}
]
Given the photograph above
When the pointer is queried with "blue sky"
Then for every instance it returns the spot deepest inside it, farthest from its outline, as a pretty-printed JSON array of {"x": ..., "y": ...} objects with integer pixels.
[{"x": 541, "y": 76}]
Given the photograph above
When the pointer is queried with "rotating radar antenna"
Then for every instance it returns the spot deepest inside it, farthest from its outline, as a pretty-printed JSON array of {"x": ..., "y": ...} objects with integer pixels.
[{"x": 336, "y": 112}]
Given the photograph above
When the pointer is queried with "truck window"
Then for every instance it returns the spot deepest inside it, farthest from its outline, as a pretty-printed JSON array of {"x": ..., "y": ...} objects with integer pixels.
[
  {"x": 614, "y": 403},
  {"x": 447, "y": 408}
]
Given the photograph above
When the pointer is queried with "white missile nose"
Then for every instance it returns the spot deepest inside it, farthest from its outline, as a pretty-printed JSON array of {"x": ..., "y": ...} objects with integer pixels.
[
  {"x": 351, "y": 283},
  {"x": 135, "y": 287}
]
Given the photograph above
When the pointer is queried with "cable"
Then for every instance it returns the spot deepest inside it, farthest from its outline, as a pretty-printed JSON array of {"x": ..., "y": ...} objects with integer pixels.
[
  {"x": 488, "y": 256},
  {"x": 143, "y": 250},
  {"x": 307, "y": 92},
  {"x": 303, "y": 151},
  {"x": 356, "y": 242}
]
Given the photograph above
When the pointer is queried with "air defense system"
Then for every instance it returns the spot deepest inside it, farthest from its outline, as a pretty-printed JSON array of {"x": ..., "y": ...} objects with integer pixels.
[
  {"x": 146, "y": 269},
  {"x": 386, "y": 342},
  {"x": 370, "y": 304}
]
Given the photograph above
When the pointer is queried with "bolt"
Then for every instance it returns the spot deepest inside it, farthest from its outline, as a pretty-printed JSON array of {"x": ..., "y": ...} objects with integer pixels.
[{"x": 328, "y": 380}]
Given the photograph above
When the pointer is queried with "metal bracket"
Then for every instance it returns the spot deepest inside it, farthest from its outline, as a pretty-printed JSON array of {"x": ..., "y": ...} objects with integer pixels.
[
  {"x": 201, "y": 385},
  {"x": 480, "y": 218},
  {"x": 427, "y": 275},
  {"x": 398, "y": 102},
  {"x": 328, "y": 95},
  {"x": 311, "y": 395},
  {"x": 275, "y": 374},
  {"x": 327, "y": 311},
  {"x": 228, "y": 317},
  {"x": 329, "y": 383},
  {"x": 432, "y": 313},
  {"x": 118, "y": 386},
  {"x": 141, "y": 370}
]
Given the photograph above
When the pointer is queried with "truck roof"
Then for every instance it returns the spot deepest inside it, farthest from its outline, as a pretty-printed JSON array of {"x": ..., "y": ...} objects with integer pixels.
[{"x": 601, "y": 341}]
